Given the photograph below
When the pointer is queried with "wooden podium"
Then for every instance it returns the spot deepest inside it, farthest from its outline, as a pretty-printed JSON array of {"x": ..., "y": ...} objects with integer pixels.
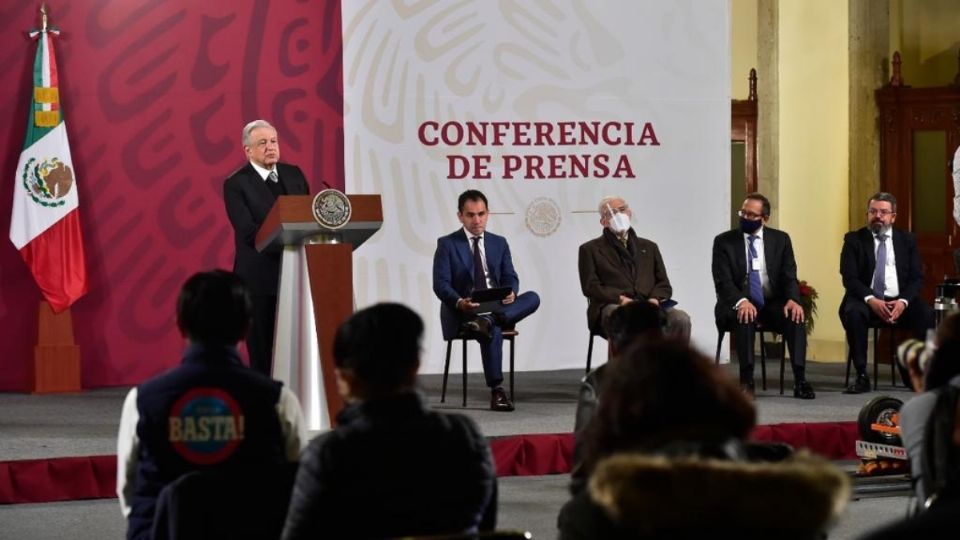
[{"x": 315, "y": 296}]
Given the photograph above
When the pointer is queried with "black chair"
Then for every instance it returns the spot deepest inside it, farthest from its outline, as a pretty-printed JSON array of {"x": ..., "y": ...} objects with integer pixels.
[
  {"x": 248, "y": 504},
  {"x": 763, "y": 353},
  {"x": 593, "y": 334},
  {"x": 509, "y": 334},
  {"x": 491, "y": 535},
  {"x": 876, "y": 326}
]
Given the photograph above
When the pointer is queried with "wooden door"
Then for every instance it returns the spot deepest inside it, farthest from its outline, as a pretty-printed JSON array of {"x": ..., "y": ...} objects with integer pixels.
[{"x": 920, "y": 130}]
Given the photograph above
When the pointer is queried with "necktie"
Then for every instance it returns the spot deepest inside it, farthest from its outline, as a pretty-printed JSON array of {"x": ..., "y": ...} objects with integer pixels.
[
  {"x": 273, "y": 184},
  {"x": 479, "y": 278},
  {"x": 879, "y": 273},
  {"x": 756, "y": 288}
]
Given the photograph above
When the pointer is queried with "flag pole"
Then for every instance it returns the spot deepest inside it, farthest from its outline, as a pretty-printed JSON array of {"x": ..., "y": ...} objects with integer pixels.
[{"x": 56, "y": 356}]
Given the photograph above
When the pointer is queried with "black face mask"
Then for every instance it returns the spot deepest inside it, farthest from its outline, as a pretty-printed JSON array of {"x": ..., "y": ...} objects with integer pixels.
[{"x": 750, "y": 226}]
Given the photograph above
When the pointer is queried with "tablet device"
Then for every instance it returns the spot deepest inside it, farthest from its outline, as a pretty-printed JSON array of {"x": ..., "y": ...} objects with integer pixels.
[{"x": 489, "y": 299}]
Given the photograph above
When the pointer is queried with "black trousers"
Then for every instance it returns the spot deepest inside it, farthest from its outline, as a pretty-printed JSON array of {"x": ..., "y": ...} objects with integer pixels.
[
  {"x": 857, "y": 318},
  {"x": 771, "y": 318},
  {"x": 260, "y": 336}
]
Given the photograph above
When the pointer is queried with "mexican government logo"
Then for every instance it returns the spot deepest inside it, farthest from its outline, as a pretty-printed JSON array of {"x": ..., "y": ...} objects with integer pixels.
[
  {"x": 331, "y": 208},
  {"x": 543, "y": 216},
  {"x": 205, "y": 426},
  {"x": 48, "y": 182}
]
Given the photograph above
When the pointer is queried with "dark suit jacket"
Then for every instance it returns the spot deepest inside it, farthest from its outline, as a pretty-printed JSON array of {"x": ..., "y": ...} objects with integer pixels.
[
  {"x": 858, "y": 259},
  {"x": 248, "y": 200},
  {"x": 453, "y": 273},
  {"x": 730, "y": 269},
  {"x": 603, "y": 277}
]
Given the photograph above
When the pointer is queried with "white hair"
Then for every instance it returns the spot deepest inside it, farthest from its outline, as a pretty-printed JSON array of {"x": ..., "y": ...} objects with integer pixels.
[
  {"x": 608, "y": 200},
  {"x": 252, "y": 126}
]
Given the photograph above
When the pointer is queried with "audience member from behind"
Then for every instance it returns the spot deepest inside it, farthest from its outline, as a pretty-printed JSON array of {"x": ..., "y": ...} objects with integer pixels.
[
  {"x": 932, "y": 367},
  {"x": 210, "y": 413},
  {"x": 626, "y": 324},
  {"x": 391, "y": 467},
  {"x": 665, "y": 457}
]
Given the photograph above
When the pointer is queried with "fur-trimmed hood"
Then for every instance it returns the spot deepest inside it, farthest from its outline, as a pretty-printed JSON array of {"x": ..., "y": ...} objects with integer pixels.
[{"x": 668, "y": 496}]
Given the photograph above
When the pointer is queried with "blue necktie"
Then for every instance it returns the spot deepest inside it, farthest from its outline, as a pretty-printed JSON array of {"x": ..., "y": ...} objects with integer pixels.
[
  {"x": 479, "y": 277},
  {"x": 756, "y": 288},
  {"x": 879, "y": 273}
]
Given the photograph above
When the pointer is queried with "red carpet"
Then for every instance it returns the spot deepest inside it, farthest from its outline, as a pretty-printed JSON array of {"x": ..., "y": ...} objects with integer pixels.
[{"x": 94, "y": 477}]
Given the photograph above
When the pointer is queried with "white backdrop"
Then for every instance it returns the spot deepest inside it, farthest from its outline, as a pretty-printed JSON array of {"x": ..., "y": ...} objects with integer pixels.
[{"x": 662, "y": 63}]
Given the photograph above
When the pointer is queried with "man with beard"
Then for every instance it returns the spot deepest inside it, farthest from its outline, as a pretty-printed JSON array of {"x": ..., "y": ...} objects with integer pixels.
[
  {"x": 882, "y": 275},
  {"x": 619, "y": 267}
]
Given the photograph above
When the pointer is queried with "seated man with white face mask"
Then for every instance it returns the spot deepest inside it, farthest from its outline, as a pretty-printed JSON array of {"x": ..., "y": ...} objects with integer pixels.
[{"x": 619, "y": 267}]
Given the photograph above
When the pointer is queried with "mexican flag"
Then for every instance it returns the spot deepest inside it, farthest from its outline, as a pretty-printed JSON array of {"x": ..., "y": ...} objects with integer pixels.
[{"x": 45, "y": 222}]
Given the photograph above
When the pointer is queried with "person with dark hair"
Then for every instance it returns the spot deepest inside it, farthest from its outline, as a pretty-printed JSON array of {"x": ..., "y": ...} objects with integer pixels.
[
  {"x": 471, "y": 259},
  {"x": 883, "y": 278},
  {"x": 249, "y": 194},
  {"x": 941, "y": 369},
  {"x": 619, "y": 267},
  {"x": 392, "y": 467},
  {"x": 755, "y": 276},
  {"x": 211, "y": 413},
  {"x": 626, "y": 324},
  {"x": 665, "y": 459}
]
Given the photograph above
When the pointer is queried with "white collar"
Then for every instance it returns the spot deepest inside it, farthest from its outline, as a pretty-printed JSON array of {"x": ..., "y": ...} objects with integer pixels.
[{"x": 264, "y": 173}]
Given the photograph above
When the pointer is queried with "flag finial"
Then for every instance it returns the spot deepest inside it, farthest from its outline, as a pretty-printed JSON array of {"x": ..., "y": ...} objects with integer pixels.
[{"x": 43, "y": 16}]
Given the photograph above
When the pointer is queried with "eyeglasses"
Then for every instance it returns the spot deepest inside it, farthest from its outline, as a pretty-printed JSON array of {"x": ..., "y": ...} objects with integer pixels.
[
  {"x": 749, "y": 215},
  {"x": 879, "y": 212}
]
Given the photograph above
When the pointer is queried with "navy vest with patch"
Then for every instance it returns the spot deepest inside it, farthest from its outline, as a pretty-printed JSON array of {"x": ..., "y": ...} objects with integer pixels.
[{"x": 211, "y": 413}]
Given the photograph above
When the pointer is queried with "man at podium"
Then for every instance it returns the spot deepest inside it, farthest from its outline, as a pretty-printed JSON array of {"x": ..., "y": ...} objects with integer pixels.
[
  {"x": 468, "y": 260},
  {"x": 249, "y": 193}
]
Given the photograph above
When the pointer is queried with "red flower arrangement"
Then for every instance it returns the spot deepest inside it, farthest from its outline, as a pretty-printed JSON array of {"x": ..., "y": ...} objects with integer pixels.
[{"x": 808, "y": 301}]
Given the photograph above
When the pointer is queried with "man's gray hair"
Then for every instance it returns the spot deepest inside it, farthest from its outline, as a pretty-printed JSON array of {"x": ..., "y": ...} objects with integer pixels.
[
  {"x": 608, "y": 200},
  {"x": 883, "y": 196},
  {"x": 252, "y": 126}
]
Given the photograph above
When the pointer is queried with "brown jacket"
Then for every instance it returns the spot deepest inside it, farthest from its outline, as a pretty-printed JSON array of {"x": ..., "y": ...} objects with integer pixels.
[{"x": 604, "y": 276}]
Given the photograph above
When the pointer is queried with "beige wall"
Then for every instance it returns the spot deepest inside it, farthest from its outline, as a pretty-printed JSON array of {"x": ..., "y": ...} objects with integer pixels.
[
  {"x": 743, "y": 45},
  {"x": 926, "y": 34},
  {"x": 814, "y": 153}
]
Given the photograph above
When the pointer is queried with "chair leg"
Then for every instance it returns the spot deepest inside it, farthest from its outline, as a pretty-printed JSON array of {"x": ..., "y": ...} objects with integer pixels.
[
  {"x": 783, "y": 360},
  {"x": 589, "y": 351},
  {"x": 876, "y": 356},
  {"x": 763, "y": 360},
  {"x": 846, "y": 382},
  {"x": 511, "y": 369},
  {"x": 446, "y": 370},
  {"x": 464, "y": 373},
  {"x": 893, "y": 357},
  {"x": 716, "y": 358}
]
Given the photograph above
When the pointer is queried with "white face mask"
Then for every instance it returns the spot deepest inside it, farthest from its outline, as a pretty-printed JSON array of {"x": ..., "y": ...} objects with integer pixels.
[{"x": 619, "y": 222}]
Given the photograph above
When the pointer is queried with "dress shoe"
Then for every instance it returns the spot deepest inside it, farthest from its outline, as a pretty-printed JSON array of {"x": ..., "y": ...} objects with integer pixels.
[
  {"x": 499, "y": 401},
  {"x": 748, "y": 388},
  {"x": 860, "y": 386},
  {"x": 478, "y": 327},
  {"x": 803, "y": 390}
]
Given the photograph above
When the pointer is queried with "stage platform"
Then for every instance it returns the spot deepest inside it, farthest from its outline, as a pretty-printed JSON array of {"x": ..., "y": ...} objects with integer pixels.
[{"x": 61, "y": 447}]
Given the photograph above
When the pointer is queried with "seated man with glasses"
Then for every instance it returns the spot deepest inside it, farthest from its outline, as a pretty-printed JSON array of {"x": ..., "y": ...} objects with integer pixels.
[
  {"x": 755, "y": 276},
  {"x": 619, "y": 267},
  {"x": 883, "y": 276}
]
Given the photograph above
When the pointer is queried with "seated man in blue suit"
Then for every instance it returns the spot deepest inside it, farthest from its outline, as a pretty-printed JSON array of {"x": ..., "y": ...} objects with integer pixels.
[{"x": 471, "y": 259}]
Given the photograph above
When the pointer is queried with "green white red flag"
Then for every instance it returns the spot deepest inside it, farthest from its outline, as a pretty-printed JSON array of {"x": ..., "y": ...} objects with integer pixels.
[{"x": 45, "y": 222}]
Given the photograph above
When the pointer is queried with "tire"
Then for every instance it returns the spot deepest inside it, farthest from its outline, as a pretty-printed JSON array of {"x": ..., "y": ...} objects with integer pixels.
[{"x": 883, "y": 410}]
